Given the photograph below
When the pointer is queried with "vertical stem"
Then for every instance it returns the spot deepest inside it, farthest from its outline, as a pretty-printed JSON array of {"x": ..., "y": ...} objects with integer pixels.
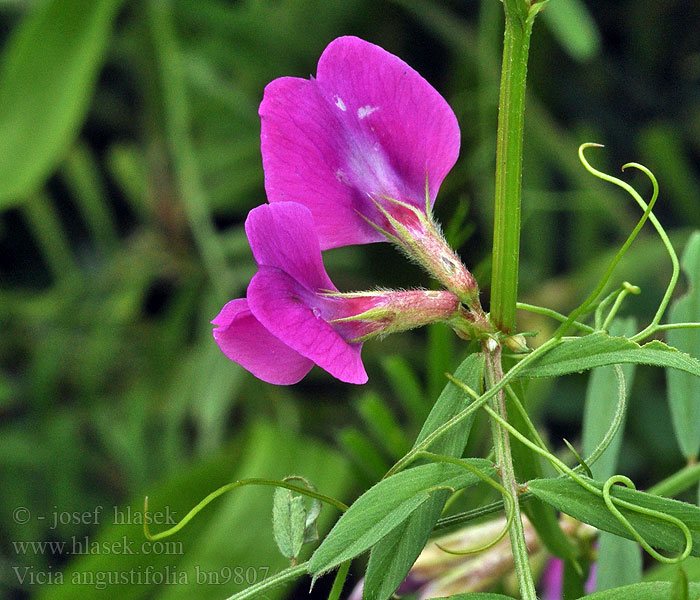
[
  {"x": 509, "y": 153},
  {"x": 339, "y": 581},
  {"x": 504, "y": 459},
  {"x": 519, "y": 17}
]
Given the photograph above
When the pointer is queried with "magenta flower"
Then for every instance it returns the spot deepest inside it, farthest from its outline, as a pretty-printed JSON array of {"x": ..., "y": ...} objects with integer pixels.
[
  {"x": 552, "y": 581},
  {"x": 294, "y": 317},
  {"x": 365, "y": 146}
]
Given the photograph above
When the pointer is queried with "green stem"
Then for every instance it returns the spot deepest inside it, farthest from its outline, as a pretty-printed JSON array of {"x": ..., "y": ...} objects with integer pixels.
[
  {"x": 548, "y": 312},
  {"x": 509, "y": 158},
  {"x": 339, "y": 581},
  {"x": 621, "y": 295},
  {"x": 504, "y": 459},
  {"x": 526, "y": 418},
  {"x": 460, "y": 519},
  {"x": 602, "y": 305},
  {"x": 670, "y": 326}
]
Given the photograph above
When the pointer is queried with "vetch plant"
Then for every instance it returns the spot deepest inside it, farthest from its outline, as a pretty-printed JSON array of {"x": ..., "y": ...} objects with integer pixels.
[{"x": 356, "y": 155}]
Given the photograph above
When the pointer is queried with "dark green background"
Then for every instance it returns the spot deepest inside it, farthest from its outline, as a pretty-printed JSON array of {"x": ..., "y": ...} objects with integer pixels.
[{"x": 129, "y": 158}]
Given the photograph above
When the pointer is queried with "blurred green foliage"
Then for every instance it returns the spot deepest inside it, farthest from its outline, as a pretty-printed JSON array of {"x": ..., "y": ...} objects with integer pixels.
[{"x": 129, "y": 159}]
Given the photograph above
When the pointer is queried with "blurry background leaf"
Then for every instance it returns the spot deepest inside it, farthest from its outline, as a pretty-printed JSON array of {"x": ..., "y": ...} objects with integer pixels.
[
  {"x": 683, "y": 389},
  {"x": 642, "y": 591},
  {"x": 48, "y": 71},
  {"x": 574, "y": 28}
]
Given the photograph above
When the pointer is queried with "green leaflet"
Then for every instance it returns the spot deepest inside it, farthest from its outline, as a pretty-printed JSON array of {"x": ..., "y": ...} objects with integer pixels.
[
  {"x": 601, "y": 398},
  {"x": 600, "y": 349},
  {"x": 385, "y": 506},
  {"x": 657, "y": 590},
  {"x": 569, "y": 497},
  {"x": 479, "y": 596},
  {"x": 450, "y": 402},
  {"x": 660, "y": 572},
  {"x": 683, "y": 389},
  {"x": 394, "y": 555},
  {"x": 619, "y": 559},
  {"x": 288, "y": 522},
  {"x": 392, "y": 558},
  {"x": 49, "y": 67}
]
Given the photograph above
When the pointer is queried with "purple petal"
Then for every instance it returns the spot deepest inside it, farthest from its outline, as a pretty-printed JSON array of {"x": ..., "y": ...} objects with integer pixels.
[
  {"x": 293, "y": 314},
  {"x": 245, "y": 341},
  {"x": 552, "y": 580},
  {"x": 282, "y": 235},
  {"x": 592, "y": 579},
  {"x": 368, "y": 124}
]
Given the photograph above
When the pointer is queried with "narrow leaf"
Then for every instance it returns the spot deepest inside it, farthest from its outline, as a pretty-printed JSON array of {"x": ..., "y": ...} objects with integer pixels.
[
  {"x": 394, "y": 555},
  {"x": 619, "y": 559},
  {"x": 49, "y": 67},
  {"x": 392, "y": 558},
  {"x": 657, "y": 590},
  {"x": 599, "y": 410},
  {"x": 386, "y": 505},
  {"x": 451, "y": 401},
  {"x": 600, "y": 350},
  {"x": 478, "y": 596},
  {"x": 569, "y": 497},
  {"x": 684, "y": 389}
]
